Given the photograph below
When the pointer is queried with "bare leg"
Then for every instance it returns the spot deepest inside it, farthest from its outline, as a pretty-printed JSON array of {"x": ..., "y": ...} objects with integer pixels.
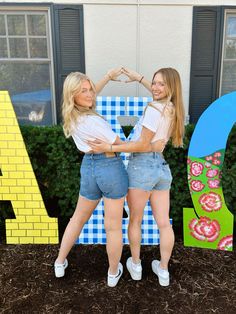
[
  {"x": 137, "y": 200},
  {"x": 83, "y": 211},
  {"x": 160, "y": 207},
  {"x": 113, "y": 226}
]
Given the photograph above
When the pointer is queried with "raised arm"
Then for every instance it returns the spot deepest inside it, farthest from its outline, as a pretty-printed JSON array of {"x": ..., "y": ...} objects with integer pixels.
[
  {"x": 111, "y": 75},
  {"x": 136, "y": 77}
]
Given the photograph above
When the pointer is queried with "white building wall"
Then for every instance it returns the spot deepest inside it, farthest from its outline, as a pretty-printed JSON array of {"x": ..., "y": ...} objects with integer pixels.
[{"x": 143, "y": 35}]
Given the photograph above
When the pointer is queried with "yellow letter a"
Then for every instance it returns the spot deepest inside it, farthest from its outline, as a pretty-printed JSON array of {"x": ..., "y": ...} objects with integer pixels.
[{"x": 19, "y": 185}]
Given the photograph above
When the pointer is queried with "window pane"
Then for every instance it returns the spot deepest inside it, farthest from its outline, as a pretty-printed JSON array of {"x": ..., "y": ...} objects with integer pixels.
[
  {"x": 228, "y": 77},
  {"x": 2, "y": 25},
  {"x": 37, "y": 25},
  {"x": 16, "y": 24},
  {"x": 3, "y": 48},
  {"x": 29, "y": 91},
  {"x": 38, "y": 48},
  {"x": 230, "y": 49},
  {"x": 18, "y": 47},
  {"x": 231, "y": 26}
]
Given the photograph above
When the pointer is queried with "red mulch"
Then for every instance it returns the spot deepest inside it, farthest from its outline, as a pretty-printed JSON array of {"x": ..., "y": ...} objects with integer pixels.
[{"x": 202, "y": 281}]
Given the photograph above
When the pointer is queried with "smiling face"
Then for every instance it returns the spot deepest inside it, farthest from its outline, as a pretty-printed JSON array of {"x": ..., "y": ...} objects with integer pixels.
[
  {"x": 86, "y": 95},
  {"x": 159, "y": 87}
]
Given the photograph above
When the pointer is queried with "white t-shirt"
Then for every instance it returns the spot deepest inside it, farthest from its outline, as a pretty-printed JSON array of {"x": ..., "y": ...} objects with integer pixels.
[
  {"x": 157, "y": 120},
  {"x": 89, "y": 128}
]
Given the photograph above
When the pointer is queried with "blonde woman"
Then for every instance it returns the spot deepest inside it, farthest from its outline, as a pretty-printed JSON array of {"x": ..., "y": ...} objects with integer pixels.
[
  {"x": 102, "y": 175},
  {"x": 149, "y": 174}
]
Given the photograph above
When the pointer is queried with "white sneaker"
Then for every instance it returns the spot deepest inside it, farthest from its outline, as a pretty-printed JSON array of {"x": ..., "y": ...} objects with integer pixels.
[
  {"x": 112, "y": 280},
  {"x": 59, "y": 269},
  {"x": 135, "y": 270},
  {"x": 162, "y": 274}
]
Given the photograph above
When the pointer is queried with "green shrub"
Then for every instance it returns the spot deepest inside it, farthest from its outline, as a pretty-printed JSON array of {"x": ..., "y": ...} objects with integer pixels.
[{"x": 56, "y": 162}]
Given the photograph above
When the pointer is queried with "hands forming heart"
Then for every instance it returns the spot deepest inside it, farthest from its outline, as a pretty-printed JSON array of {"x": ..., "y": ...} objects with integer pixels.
[{"x": 132, "y": 76}]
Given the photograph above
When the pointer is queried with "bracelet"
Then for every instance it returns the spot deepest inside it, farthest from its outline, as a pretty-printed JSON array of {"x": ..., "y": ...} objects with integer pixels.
[
  {"x": 141, "y": 79},
  {"x": 111, "y": 148}
]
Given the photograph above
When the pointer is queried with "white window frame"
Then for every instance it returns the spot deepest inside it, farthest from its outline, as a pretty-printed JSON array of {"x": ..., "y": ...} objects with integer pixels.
[
  {"x": 227, "y": 12},
  {"x": 6, "y": 10}
]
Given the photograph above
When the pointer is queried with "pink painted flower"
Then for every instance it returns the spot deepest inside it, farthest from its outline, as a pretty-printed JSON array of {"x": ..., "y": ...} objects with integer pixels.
[
  {"x": 217, "y": 154},
  {"x": 213, "y": 184},
  {"x": 210, "y": 202},
  {"x": 207, "y": 164},
  {"x": 188, "y": 161},
  {"x": 197, "y": 185},
  {"x": 226, "y": 243},
  {"x": 211, "y": 173},
  {"x": 208, "y": 158},
  {"x": 215, "y": 161},
  {"x": 196, "y": 168},
  {"x": 204, "y": 229}
]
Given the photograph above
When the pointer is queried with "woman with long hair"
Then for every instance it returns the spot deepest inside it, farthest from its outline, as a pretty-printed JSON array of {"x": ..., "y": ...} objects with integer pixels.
[{"x": 149, "y": 174}]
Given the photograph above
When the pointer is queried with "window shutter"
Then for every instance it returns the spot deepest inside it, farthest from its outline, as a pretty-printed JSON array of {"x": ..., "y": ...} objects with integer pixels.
[
  {"x": 205, "y": 60},
  {"x": 69, "y": 44}
]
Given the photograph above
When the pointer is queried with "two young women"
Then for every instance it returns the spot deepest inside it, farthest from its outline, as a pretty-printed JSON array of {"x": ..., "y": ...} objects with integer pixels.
[
  {"x": 102, "y": 174},
  {"x": 149, "y": 174}
]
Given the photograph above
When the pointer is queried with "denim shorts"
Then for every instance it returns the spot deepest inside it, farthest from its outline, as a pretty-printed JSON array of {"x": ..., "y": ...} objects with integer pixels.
[
  {"x": 148, "y": 172},
  {"x": 103, "y": 176}
]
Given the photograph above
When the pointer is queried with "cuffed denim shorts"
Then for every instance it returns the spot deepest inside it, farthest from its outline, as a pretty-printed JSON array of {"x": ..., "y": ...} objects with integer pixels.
[
  {"x": 148, "y": 172},
  {"x": 103, "y": 176}
]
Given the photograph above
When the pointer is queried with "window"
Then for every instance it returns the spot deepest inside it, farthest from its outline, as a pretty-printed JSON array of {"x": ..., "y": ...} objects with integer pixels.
[
  {"x": 228, "y": 69},
  {"x": 26, "y": 65}
]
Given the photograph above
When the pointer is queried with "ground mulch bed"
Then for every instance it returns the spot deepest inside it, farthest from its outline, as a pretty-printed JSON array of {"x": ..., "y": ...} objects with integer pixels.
[{"x": 202, "y": 281}]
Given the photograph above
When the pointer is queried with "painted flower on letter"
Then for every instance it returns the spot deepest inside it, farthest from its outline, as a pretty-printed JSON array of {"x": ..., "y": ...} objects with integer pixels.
[
  {"x": 217, "y": 154},
  {"x": 226, "y": 243},
  {"x": 204, "y": 229},
  {"x": 213, "y": 184},
  {"x": 196, "y": 168},
  {"x": 210, "y": 202},
  {"x": 197, "y": 185},
  {"x": 211, "y": 173}
]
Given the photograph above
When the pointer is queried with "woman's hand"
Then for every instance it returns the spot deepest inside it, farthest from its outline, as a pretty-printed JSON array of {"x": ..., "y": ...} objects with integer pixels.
[
  {"x": 132, "y": 75},
  {"x": 114, "y": 73},
  {"x": 99, "y": 146},
  {"x": 158, "y": 146}
]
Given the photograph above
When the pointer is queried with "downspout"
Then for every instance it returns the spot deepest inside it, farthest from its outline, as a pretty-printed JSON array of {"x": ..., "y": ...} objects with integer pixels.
[{"x": 138, "y": 44}]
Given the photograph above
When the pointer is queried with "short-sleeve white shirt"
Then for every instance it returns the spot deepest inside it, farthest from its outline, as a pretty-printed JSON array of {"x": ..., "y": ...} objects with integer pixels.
[
  {"x": 157, "y": 120},
  {"x": 90, "y": 128}
]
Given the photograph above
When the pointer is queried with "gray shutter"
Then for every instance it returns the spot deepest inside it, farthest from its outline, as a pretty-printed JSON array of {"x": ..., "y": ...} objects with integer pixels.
[
  {"x": 205, "y": 61},
  {"x": 69, "y": 44}
]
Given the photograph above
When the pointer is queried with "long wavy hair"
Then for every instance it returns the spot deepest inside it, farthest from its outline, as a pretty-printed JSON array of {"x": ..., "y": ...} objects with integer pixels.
[
  {"x": 71, "y": 112},
  {"x": 172, "y": 80}
]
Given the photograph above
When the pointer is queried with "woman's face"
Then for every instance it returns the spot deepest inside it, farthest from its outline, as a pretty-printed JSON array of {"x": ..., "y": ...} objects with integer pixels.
[
  {"x": 159, "y": 88},
  {"x": 85, "y": 97}
]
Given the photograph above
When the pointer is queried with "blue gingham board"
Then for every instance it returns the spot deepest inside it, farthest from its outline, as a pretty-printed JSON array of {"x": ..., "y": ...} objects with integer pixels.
[{"x": 94, "y": 232}]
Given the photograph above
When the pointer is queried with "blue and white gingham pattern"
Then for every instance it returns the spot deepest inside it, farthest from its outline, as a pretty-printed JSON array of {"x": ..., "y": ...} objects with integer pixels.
[
  {"x": 93, "y": 231},
  {"x": 135, "y": 107}
]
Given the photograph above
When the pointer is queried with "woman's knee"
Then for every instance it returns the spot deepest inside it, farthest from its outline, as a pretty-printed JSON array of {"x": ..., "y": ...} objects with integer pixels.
[
  {"x": 112, "y": 225},
  {"x": 163, "y": 223}
]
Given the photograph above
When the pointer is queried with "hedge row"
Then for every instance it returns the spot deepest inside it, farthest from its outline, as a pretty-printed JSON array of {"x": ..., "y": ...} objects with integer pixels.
[{"x": 56, "y": 163}]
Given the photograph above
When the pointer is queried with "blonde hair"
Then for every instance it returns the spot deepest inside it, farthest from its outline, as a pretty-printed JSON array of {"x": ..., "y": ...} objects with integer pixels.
[
  {"x": 70, "y": 110},
  {"x": 174, "y": 94}
]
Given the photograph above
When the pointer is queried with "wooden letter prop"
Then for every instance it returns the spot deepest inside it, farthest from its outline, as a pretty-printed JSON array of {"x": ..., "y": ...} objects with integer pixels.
[
  {"x": 19, "y": 185},
  {"x": 209, "y": 224}
]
